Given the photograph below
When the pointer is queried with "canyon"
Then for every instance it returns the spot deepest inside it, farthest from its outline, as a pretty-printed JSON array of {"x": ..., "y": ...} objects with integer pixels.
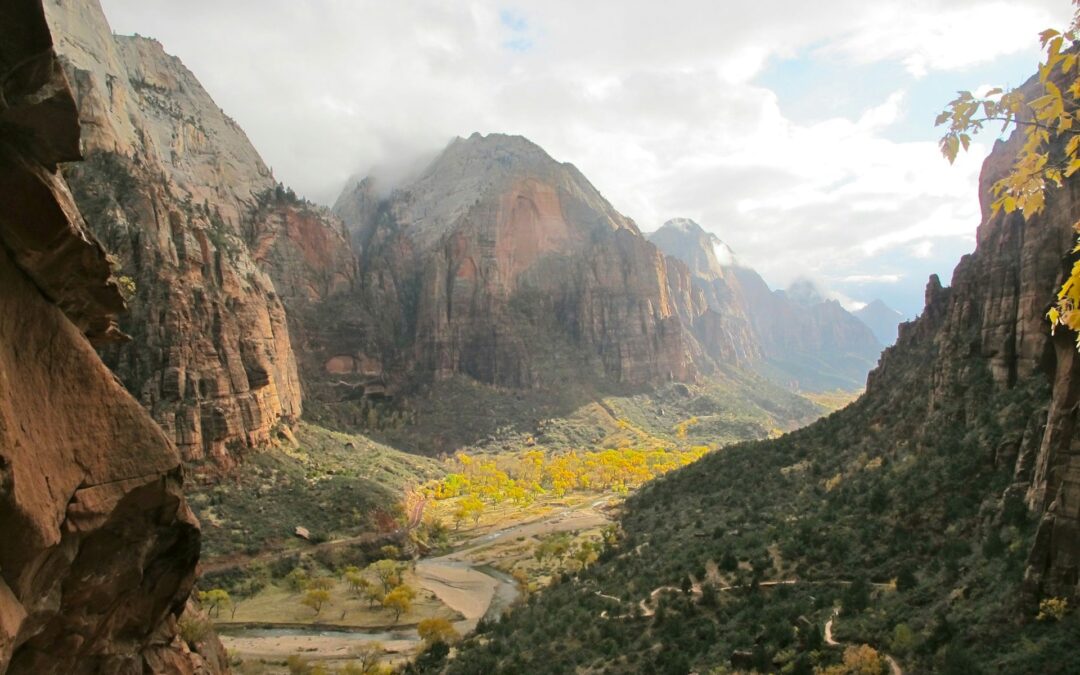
[{"x": 172, "y": 315}]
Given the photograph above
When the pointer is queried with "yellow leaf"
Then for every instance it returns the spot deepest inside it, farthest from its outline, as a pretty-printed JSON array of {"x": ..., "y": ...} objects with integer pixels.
[
  {"x": 1009, "y": 204},
  {"x": 1071, "y": 319},
  {"x": 1043, "y": 102},
  {"x": 1072, "y": 145},
  {"x": 1047, "y": 35}
]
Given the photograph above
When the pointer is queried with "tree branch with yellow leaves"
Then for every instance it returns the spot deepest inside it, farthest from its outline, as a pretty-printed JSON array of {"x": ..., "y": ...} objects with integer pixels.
[{"x": 1050, "y": 151}]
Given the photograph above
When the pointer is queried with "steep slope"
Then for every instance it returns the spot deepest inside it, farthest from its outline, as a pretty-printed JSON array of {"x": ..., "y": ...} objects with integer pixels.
[
  {"x": 724, "y": 329},
  {"x": 883, "y": 320},
  {"x": 100, "y": 547},
  {"x": 502, "y": 264},
  {"x": 938, "y": 510},
  {"x": 176, "y": 192},
  {"x": 795, "y": 337},
  {"x": 819, "y": 345}
]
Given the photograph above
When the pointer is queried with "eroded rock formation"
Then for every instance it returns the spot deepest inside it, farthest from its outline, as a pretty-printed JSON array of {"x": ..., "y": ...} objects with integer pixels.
[
  {"x": 795, "y": 337},
  {"x": 992, "y": 318},
  {"x": 197, "y": 222},
  {"x": 502, "y": 264},
  {"x": 100, "y": 547}
]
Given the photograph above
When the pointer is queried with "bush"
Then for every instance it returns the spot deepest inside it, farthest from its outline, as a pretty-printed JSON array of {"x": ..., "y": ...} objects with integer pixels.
[
  {"x": 1053, "y": 609},
  {"x": 194, "y": 628}
]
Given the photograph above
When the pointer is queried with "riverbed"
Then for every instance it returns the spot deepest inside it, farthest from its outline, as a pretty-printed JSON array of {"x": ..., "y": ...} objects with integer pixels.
[{"x": 463, "y": 580}]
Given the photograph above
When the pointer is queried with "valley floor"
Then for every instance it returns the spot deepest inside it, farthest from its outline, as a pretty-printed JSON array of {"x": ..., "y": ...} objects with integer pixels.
[{"x": 469, "y": 583}]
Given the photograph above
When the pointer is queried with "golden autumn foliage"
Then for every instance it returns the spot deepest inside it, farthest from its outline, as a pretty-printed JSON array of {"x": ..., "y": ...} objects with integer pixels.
[
  {"x": 437, "y": 629},
  {"x": 520, "y": 479},
  {"x": 861, "y": 660}
]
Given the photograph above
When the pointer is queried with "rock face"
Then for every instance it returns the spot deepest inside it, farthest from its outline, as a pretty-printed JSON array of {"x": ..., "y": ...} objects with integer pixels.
[
  {"x": 724, "y": 329},
  {"x": 796, "y": 337},
  {"x": 495, "y": 262},
  {"x": 992, "y": 319},
  {"x": 502, "y": 264},
  {"x": 99, "y": 546},
  {"x": 883, "y": 320},
  {"x": 176, "y": 192},
  {"x": 815, "y": 341}
]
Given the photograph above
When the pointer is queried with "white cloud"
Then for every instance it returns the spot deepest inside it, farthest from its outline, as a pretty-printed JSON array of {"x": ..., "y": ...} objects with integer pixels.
[
  {"x": 657, "y": 107},
  {"x": 923, "y": 249},
  {"x": 872, "y": 278},
  {"x": 944, "y": 36}
]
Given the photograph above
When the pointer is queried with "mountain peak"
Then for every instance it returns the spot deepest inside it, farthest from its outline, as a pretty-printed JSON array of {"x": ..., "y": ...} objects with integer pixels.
[
  {"x": 685, "y": 225},
  {"x": 493, "y": 173},
  {"x": 882, "y": 320},
  {"x": 805, "y": 292},
  {"x": 704, "y": 252}
]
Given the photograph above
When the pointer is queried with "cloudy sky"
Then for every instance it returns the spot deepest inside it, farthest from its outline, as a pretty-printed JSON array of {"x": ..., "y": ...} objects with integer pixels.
[{"x": 799, "y": 132}]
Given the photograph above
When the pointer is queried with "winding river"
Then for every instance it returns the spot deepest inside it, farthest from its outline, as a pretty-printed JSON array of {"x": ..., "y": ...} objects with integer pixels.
[{"x": 458, "y": 579}]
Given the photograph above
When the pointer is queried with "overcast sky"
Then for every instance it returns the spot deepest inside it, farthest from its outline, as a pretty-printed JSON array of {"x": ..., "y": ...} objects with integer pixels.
[{"x": 799, "y": 132}]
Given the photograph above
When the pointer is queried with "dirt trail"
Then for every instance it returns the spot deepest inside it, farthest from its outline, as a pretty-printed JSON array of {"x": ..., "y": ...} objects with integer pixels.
[
  {"x": 648, "y": 607},
  {"x": 894, "y": 666}
]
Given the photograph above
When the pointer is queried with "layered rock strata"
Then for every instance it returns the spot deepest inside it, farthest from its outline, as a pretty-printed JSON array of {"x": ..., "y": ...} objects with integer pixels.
[
  {"x": 992, "y": 317},
  {"x": 794, "y": 337},
  {"x": 100, "y": 547},
  {"x": 177, "y": 193},
  {"x": 495, "y": 253}
]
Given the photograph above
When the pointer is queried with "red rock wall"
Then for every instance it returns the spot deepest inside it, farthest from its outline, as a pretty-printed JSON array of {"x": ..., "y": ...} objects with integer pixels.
[
  {"x": 100, "y": 547},
  {"x": 178, "y": 195}
]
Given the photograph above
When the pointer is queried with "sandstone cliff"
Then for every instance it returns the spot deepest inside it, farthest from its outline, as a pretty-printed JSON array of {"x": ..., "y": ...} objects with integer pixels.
[
  {"x": 724, "y": 329},
  {"x": 796, "y": 338},
  {"x": 177, "y": 193},
  {"x": 992, "y": 318},
  {"x": 502, "y": 264},
  {"x": 99, "y": 545}
]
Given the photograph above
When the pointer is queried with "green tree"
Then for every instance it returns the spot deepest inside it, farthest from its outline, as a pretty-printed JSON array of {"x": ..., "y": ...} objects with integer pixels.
[
  {"x": 297, "y": 579},
  {"x": 214, "y": 600},
  {"x": 903, "y": 639}
]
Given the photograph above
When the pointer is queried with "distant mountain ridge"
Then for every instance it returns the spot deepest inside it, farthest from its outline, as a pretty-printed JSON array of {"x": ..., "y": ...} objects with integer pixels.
[
  {"x": 494, "y": 262},
  {"x": 882, "y": 319},
  {"x": 796, "y": 337}
]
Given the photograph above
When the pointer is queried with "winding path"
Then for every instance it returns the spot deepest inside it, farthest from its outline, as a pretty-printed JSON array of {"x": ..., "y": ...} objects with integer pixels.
[
  {"x": 894, "y": 667},
  {"x": 648, "y": 608}
]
